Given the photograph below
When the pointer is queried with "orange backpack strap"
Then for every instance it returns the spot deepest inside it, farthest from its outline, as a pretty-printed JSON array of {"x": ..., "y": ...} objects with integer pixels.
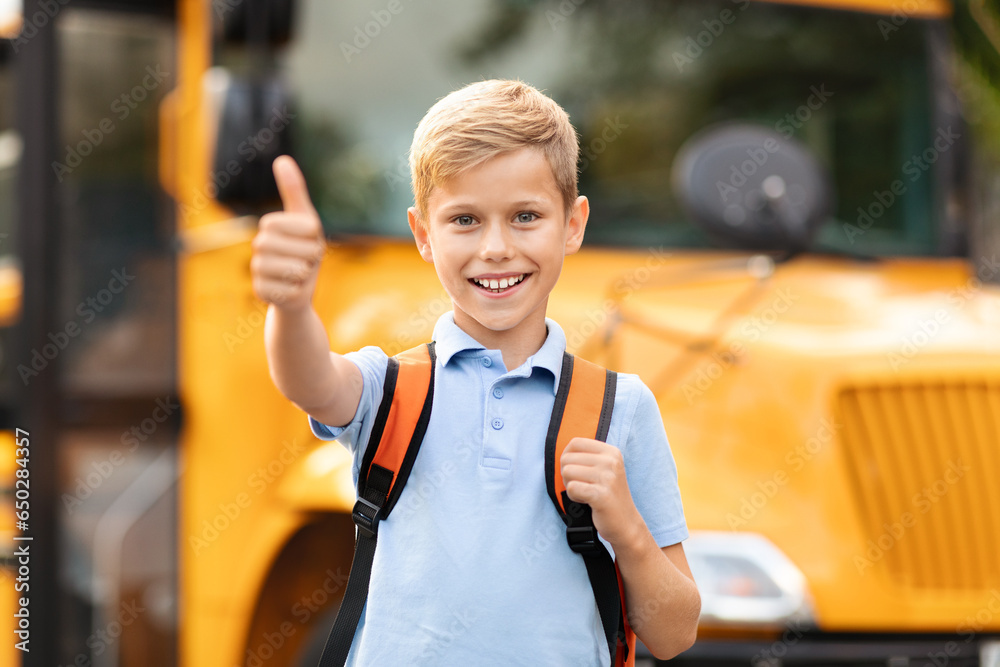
[
  {"x": 397, "y": 432},
  {"x": 583, "y": 406},
  {"x": 399, "y": 426}
]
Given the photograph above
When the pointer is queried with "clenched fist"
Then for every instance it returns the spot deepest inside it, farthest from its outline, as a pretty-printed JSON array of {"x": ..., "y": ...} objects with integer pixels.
[
  {"x": 594, "y": 473},
  {"x": 289, "y": 245}
]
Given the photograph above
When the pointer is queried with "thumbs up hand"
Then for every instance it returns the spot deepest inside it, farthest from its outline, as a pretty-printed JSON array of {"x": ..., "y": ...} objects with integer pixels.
[{"x": 289, "y": 245}]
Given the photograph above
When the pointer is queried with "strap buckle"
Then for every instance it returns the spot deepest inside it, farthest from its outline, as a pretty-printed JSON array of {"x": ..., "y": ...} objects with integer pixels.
[
  {"x": 582, "y": 539},
  {"x": 366, "y": 517}
]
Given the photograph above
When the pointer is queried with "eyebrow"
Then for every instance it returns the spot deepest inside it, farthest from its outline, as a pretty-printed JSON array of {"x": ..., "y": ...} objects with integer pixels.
[
  {"x": 458, "y": 206},
  {"x": 529, "y": 203},
  {"x": 450, "y": 209}
]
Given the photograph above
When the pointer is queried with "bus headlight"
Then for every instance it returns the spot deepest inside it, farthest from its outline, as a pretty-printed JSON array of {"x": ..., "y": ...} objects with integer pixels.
[{"x": 745, "y": 580}]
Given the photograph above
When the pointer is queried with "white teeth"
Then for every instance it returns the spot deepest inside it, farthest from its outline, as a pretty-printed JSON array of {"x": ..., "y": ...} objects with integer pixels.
[{"x": 503, "y": 283}]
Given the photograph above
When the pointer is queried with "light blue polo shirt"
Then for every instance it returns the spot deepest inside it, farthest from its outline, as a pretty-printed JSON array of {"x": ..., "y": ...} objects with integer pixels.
[{"x": 472, "y": 566}]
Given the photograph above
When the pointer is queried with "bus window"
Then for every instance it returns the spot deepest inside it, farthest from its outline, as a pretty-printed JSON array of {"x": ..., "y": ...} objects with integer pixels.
[
  {"x": 636, "y": 84},
  {"x": 118, "y": 225}
]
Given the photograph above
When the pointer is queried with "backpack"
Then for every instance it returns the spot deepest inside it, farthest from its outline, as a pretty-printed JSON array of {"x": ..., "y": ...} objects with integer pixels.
[{"x": 583, "y": 405}]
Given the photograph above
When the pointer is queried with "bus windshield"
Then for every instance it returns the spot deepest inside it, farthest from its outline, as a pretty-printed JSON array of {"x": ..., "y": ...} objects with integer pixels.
[{"x": 637, "y": 79}]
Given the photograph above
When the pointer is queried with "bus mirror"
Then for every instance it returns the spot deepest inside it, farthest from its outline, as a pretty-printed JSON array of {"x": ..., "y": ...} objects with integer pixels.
[
  {"x": 751, "y": 186},
  {"x": 252, "y": 129},
  {"x": 271, "y": 23}
]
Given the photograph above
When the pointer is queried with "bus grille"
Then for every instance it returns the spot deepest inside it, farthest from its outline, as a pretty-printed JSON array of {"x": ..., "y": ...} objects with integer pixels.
[{"x": 924, "y": 459}]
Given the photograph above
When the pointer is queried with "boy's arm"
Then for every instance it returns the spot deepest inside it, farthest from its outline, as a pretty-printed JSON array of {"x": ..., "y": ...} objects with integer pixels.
[
  {"x": 287, "y": 252},
  {"x": 663, "y": 600}
]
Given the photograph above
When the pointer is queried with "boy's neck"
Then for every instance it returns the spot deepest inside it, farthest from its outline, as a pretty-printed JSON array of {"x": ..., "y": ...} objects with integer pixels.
[{"x": 515, "y": 345}]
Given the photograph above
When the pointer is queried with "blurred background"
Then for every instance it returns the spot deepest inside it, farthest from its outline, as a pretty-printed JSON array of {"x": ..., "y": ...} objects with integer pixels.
[{"x": 794, "y": 241}]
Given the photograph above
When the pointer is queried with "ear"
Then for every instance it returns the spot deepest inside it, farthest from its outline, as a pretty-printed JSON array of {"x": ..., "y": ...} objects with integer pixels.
[
  {"x": 420, "y": 234},
  {"x": 577, "y": 224}
]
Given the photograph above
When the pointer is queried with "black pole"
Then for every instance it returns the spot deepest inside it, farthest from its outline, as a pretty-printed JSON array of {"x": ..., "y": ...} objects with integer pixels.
[{"x": 38, "y": 232}]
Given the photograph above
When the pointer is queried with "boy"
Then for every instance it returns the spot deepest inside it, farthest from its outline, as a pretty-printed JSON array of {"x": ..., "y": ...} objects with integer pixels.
[{"x": 473, "y": 567}]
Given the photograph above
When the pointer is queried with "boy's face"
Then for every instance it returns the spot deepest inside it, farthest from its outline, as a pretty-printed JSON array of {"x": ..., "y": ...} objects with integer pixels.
[{"x": 497, "y": 235}]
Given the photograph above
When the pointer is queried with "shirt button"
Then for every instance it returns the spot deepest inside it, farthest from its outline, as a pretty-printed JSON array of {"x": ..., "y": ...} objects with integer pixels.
[
  {"x": 497, "y": 424},
  {"x": 487, "y": 362},
  {"x": 498, "y": 392}
]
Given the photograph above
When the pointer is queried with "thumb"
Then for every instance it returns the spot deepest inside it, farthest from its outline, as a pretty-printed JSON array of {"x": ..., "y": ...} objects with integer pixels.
[{"x": 292, "y": 186}]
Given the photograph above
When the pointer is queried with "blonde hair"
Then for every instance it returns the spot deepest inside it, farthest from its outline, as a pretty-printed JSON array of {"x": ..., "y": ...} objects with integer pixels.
[{"x": 482, "y": 120}]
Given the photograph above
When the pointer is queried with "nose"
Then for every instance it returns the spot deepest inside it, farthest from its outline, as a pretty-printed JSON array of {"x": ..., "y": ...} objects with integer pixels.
[{"x": 496, "y": 242}]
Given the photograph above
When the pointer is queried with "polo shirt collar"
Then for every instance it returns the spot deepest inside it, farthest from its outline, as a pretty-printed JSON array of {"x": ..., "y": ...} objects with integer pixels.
[{"x": 450, "y": 340}]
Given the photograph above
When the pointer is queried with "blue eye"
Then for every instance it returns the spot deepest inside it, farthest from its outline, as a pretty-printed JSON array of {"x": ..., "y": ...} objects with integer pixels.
[
  {"x": 464, "y": 220},
  {"x": 526, "y": 217}
]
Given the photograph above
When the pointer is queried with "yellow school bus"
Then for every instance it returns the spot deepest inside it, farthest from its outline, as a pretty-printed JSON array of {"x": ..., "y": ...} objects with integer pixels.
[
  {"x": 794, "y": 241},
  {"x": 832, "y": 409}
]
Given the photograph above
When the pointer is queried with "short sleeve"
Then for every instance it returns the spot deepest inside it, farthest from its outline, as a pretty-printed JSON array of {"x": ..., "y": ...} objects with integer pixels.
[
  {"x": 372, "y": 362},
  {"x": 649, "y": 464}
]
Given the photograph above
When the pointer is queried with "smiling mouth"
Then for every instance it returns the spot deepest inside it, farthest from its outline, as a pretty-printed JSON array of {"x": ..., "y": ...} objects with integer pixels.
[{"x": 498, "y": 285}]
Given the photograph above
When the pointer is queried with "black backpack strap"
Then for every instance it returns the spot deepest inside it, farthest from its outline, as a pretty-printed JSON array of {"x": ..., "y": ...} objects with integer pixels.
[
  {"x": 603, "y": 578},
  {"x": 379, "y": 488},
  {"x": 580, "y": 531}
]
